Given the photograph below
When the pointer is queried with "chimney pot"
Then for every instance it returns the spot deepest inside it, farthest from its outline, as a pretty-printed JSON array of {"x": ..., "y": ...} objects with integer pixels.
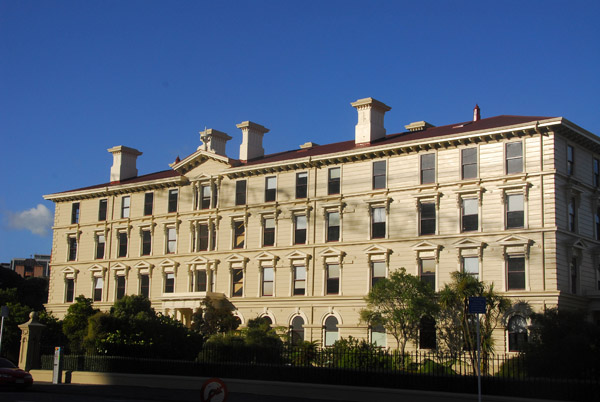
[
  {"x": 476, "y": 113},
  {"x": 214, "y": 141},
  {"x": 124, "y": 163},
  {"x": 370, "y": 120}
]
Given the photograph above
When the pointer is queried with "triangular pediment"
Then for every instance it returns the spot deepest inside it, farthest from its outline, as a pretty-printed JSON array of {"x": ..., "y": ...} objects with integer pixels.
[
  {"x": 266, "y": 256},
  {"x": 97, "y": 268},
  {"x": 426, "y": 245},
  {"x": 142, "y": 264},
  {"x": 331, "y": 252},
  {"x": 119, "y": 265},
  {"x": 376, "y": 249},
  {"x": 198, "y": 158},
  {"x": 235, "y": 258},
  {"x": 580, "y": 244},
  {"x": 69, "y": 270},
  {"x": 297, "y": 255},
  {"x": 468, "y": 243},
  {"x": 513, "y": 240},
  {"x": 167, "y": 262}
]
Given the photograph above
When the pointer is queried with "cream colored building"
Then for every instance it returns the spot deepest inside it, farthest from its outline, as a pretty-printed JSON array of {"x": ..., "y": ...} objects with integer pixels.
[{"x": 301, "y": 236}]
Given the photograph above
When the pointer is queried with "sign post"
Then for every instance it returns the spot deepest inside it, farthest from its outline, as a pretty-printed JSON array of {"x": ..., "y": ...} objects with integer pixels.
[
  {"x": 477, "y": 306},
  {"x": 3, "y": 313},
  {"x": 57, "y": 366}
]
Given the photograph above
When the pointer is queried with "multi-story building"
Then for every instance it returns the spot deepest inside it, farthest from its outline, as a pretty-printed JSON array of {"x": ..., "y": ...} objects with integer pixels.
[
  {"x": 38, "y": 266},
  {"x": 301, "y": 236}
]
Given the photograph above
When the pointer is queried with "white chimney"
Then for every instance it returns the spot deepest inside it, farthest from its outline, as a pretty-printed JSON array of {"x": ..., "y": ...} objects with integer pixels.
[
  {"x": 214, "y": 141},
  {"x": 370, "y": 120},
  {"x": 252, "y": 138},
  {"x": 124, "y": 159}
]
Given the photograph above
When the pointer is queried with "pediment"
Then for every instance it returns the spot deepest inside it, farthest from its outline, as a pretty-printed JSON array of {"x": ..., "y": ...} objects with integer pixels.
[
  {"x": 468, "y": 243},
  {"x": 97, "y": 268},
  {"x": 266, "y": 256},
  {"x": 514, "y": 240},
  {"x": 69, "y": 270},
  {"x": 580, "y": 244},
  {"x": 331, "y": 252},
  {"x": 235, "y": 258},
  {"x": 119, "y": 265},
  {"x": 426, "y": 245},
  {"x": 167, "y": 262},
  {"x": 297, "y": 255},
  {"x": 143, "y": 264},
  {"x": 200, "y": 157},
  {"x": 376, "y": 249}
]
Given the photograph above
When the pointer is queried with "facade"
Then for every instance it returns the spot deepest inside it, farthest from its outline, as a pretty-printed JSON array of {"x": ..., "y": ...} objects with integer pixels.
[
  {"x": 38, "y": 266},
  {"x": 301, "y": 236}
]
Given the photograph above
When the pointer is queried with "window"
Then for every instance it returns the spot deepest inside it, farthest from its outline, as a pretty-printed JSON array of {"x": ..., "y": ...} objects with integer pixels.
[
  {"x": 240, "y": 192},
  {"x": 98, "y": 285},
  {"x": 570, "y": 160},
  {"x": 75, "y": 212},
  {"x": 427, "y": 168},
  {"x": 427, "y": 335},
  {"x": 377, "y": 272},
  {"x": 171, "y": 240},
  {"x": 573, "y": 268},
  {"x": 148, "y": 204},
  {"x": 299, "y": 280},
  {"x": 169, "y": 283},
  {"x": 297, "y": 330},
  {"x": 69, "y": 290},
  {"x": 517, "y": 334},
  {"x": 267, "y": 281},
  {"x": 239, "y": 229},
  {"x": 125, "y": 205},
  {"x": 122, "y": 250},
  {"x": 203, "y": 237},
  {"x": 470, "y": 266},
  {"x": 378, "y": 337},
  {"x": 102, "y": 209},
  {"x": 333, "y": 279},
  {"x": 72, "y": 246},
  {"x": 470, "y": 214},
  {"x": 427, "y": 272},
  {"x": 515, "y": 216},
  {"x": 270, "y": 189},
  {"x": 205, "y": 197},
  {"x": 100, "y": 246},
  {"x": 379, "y": 175},
  {"x": 173, "y": 195},
  {"x": 333, "y": 226},
  {"x": 201, "y": 281},
  {"x": 515, "y": 266},
  {"x": 378, "y": 223},
  {"x": 333, "y": 181},
  {"x": 301, "y": 185},
  {"x": 596, "y": 179},
  {"x": 120, "y": 285},
  {"x": 145, "y": 285},
  {"x": 268, "y": 231},
  {"x": 597, "y": 223},
  {"x": 514, "y": 157},
  {"x": 572, "y": 215},
  {"x": 427, "y": 219},
  {"x": 237, "y": 279},
  {"x": 469, "y": 163},
  {"x": 146, "y": 242},
  {"x": 300, "y": 229},
  {"x": 331, "y": 331}
]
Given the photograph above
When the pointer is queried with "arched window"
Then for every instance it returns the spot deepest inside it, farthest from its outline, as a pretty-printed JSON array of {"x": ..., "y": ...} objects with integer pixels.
[
  {"x": 267, "y": 319},
  {"x": 517, "y": 334},
  {"x": 297, "y": 330},
  {"x": 427, "y": 336},
  {"x": 331, "y": 331}
]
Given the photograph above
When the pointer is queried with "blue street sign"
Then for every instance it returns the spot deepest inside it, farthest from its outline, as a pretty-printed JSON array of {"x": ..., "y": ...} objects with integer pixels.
[{"x": 477, "y": 305}]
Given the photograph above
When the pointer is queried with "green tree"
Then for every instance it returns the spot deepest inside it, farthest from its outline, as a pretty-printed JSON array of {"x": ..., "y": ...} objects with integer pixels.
[
  {"x": 17, "y": 314},
  {"x": 75, "y": 323},
  {"x": 457, "y": 327},
  {"x": 213, "y": 317},
  {"x": 398, "y": 303}
]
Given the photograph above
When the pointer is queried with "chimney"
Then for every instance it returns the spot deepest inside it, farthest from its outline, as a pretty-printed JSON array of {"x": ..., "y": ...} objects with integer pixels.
[
  {"x": 476, "y": 113},
  {"x": 214, "y": 141},
  {"x": 370, "y": 120},
  {"x": 124, "y": 159},
  {"x": 252, "y": 138}
]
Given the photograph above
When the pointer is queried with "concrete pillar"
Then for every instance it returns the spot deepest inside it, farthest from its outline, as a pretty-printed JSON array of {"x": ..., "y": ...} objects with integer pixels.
[{"x": 31, "y": 333}]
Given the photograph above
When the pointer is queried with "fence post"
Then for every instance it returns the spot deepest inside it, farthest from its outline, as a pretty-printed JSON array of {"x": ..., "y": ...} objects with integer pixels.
[{"x": 31, "y": 333}]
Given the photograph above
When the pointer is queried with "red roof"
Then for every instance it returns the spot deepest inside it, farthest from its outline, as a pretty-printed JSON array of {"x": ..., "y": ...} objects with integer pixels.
[{"x": 432, "y": 132}]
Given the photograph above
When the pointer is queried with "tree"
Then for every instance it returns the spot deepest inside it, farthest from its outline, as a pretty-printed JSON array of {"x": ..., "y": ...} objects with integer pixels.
[
  {"x": 457, "y": 327},
  {"x": 75, "y": 323},
  {"x": 215, "y": 316},
  {"x": 563, "y": 345},
  {"x": 398, "y": 303},
  {"x": 17, "y": 314}
]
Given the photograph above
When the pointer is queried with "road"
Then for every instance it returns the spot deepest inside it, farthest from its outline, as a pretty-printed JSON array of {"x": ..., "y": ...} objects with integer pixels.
[{"x": 46, "y": 392}]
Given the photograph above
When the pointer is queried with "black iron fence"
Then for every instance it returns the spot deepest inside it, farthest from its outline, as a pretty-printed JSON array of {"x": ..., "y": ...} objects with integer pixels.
[{"x": 503, "y": 375}]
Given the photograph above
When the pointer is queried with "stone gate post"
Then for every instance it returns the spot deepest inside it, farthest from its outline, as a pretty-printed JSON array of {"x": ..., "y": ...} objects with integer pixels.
[{"x": 31, "y": 333}]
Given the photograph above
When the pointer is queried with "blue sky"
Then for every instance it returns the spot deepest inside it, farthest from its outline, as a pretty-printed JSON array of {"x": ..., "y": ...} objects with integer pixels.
[{"x": 78, "y": 77}]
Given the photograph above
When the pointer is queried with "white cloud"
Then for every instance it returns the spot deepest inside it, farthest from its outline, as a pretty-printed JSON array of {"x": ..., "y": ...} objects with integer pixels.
[{"x": 37, "y": 220}]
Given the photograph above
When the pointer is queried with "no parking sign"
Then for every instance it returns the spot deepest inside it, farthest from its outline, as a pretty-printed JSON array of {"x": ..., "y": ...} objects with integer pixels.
[{"x": 213, "y": 390}]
